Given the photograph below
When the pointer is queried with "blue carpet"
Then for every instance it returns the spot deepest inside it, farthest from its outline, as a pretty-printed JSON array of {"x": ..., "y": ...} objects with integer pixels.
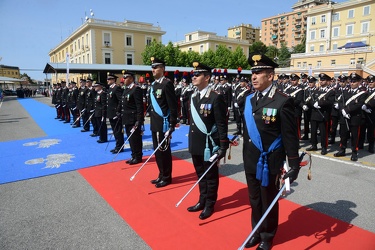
[{"x": 64, "y": 149}]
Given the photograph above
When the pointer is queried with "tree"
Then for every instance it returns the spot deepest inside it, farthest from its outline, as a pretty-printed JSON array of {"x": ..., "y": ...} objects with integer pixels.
[
  {"x": 24, "y": 75},
  {"x": 171, "y": 54},
  {"x": 258, "y": 47},
  {"x": 238, "y": 59},
  {"x": 284, "y": 56},
  {"x": 222, "y": 54},
  {"x": 155, "y": 49},
  {"x": 208, "y": 58},
  {"x": 300, "y": 48},
  {"x": 272, "y": 52}
]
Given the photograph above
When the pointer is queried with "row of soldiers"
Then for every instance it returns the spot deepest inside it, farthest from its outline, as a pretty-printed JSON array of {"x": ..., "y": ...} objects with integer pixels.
[
  {"x": 348, "y": 102},
  {"x": 122, "y": 104}
]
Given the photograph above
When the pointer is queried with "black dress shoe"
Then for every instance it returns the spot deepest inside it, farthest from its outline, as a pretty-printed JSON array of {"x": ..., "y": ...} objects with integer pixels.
[
  {"x": 100, "y": 141},
  {"x": 340, "y": 153},
  {"x": 135, "y": 161},
  {"x": 162, "y": 184},
  {"x": 66, "y": 122},
  {"x": 324, "y": 151},
  {"x": 304, "y": 138},
  {"x": 154, "y": 181},
  {"x": 84, "y": 130},
  {"x": 265, "y": 245},
  {"x": 354, "y": 156},
  {"x": 93, "y": 135},
  {"x": 206, "y": 213},
  {"x": 312, "y": 148},
  {"x": 252, "y": 242},
  {"x": 115, "y": 151},
  {"x": 197, "y": 207}
]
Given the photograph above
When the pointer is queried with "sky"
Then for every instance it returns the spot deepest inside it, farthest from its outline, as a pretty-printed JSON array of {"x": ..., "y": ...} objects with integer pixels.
[{"x": 31, "y": 28}]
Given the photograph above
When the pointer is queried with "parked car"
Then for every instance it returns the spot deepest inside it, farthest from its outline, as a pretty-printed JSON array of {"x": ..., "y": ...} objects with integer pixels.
[{"x": 9, "y": 92}]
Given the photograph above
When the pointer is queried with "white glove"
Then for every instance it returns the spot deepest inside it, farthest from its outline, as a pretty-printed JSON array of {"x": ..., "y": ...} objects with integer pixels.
[
  {"x": 367, "y": 110},
  {"x": 336, "y": 105},
  {"x": 236, "y": 105},
  {"x": 305, "y": 108},
  {"x": 316, "y": 105},
  {"x": 344, "y": 114}
]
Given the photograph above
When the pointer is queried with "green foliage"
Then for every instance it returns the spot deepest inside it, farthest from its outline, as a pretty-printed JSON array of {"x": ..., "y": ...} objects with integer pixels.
[
  {"x": 155, "y": 49},
  {"x": 272, "y": 52},
  {"x": 258, "y": 47}
]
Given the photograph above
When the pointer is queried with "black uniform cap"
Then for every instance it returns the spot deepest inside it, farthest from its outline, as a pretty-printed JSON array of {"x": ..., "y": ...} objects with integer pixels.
[
  {"x": 311, "y": 79},
  {"x": 324, "y": 77},
  {"x": 199, "y": 67},
  {"x": 294, "y": 77},
  {"x": 111, "y": 75},
  {"x": 259, "y": 62},
  {"x": 370, "y": 78},
  {"x": 156, "y": 62},
  {"x": 355, "y": 77}
]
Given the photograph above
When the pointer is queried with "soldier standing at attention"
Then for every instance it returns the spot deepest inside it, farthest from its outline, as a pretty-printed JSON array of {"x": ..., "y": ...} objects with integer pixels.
[
  {"x": 114, "y": 111},
  {"x": 207, "y": 136},
  {"x": 163, "y": 119},
  {"x": 132, "y": 116},
  {"x": 270, "y": 134},
  {"x": 100, "y": 112}
]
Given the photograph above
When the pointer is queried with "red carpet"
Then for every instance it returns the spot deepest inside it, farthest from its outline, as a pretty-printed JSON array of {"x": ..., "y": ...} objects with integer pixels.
[{"x": 152, "y": 213}]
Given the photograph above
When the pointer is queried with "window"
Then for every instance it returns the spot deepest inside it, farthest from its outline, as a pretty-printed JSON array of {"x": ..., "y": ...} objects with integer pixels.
[
  {"x": 361, "y": 60},
  {"x": 129, "y": 40},
  {"x": 88, "y": 58},
  {"x": 321, "y": 48},
  {"x": 350, "y": 13},
  {"x": 148, "y": 40},
  {"x": 230, "y": 47},
  {"x": 313, "y": 20},
  {"x": 83, "y": 59},
  {"x": 336, "y": 17},
  {"x": 352, "y": 61},
  {"x": 190, "y": 49},
  {"x": 129, "y": 59},
  {"x": 312, "y": 35},
  {"x": 312, "y": 48},
  {"x": 366, "y": 10},
  {"x": 201, "y": 49},
  {"x": 304, "y": 64},
  {"x": 107, "y": 58},
  {"x": 190, "y": 38},
  {"x": 334, "y": 46},
  {"x": 79, "y": 44},
  {"x": 322, "y": 33},
  {"x": 107, "y": 39},
  {"x": 365, "y": 27},
  {"x": 349, "y": 29},
  {"x": 333, "y": 62},
  {"x": 323, "y": 19},
  {"x": 299, "y": 65},
  {"x": 319, "y": 64},
  {"x": 335, "y": 31}
]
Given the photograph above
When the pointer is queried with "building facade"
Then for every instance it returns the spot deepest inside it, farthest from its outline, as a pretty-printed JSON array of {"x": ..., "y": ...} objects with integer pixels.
[
  {"x": 340, "y": 39},
  {"x": 288, "y": 28},
  {"x": 244, "y": 32},
  {"x": 202, "y": 41},
  {"x": 106, "y": 42},
  {"x": 9, "y": 71}
]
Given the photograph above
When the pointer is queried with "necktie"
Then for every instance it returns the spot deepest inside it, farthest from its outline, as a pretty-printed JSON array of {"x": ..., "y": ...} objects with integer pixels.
[{"x": 260, "y": 95}]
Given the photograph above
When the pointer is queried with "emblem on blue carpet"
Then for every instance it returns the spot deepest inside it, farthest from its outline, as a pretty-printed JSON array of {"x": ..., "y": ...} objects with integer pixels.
[
  {"x": 52, "y": 160},
  {"x": 43, "y": 143}
]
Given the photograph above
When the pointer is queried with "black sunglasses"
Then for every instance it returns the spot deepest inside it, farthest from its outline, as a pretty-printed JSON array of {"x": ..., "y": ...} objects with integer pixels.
[{"x": 197, "y": 74}]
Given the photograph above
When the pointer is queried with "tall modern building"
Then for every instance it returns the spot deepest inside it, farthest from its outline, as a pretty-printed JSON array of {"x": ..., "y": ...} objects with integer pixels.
[
  {"x": 340, "y": 39},
  {"x": 288, "y": 28},
  {"x": 107, "y": 42},
  {"x": 244, "y": 32},
  {"x": 202, "y": 41}
]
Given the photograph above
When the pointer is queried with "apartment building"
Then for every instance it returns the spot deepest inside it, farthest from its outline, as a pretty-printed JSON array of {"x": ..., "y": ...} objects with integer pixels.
[
  {"x": 9, "y": 71},
  {"x": 244, "y": 32},
  {"x": 340, "y": 39},
  {"x": 202, "y": 41},
  {"x": 288, "y": 28}
]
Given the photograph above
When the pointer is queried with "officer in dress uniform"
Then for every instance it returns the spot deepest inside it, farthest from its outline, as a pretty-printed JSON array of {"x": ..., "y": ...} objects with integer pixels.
[
  {"x": 207, "y": 135},
  {"x": 114, "y": 111},
  {"x": 72, "y": 100},
  {"x": 64, "y": 101},
  {"x": 132, "y": 116},
  {"x": 304, "y": 81},
  {"x": 306, "y": 110},
  {"x": 81, "y": 102},
  {"x": 163, "y": 119},
  {"x": 184, "y": 98},
  {"x": 100, "y": 113},
  {"x": 351, "y": 116},
  {"x": 240, "y": 94},
  {"x": 368, "y": 109},
  {"x": 341, "y": 87},
  {"x": 296, "y": 92},
  {"x": 55, "y": 100},
  {"x": 90, "y": 108},
  {"x": 321, "y": 103},
  {"x": 270, "y": 134}
]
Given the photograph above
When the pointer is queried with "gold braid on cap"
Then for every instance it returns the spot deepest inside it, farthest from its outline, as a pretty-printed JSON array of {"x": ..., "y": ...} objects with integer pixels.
[
  {"x": 123, "y": 72},
  {"x": 152, "y": 59},
  {"x": 256, "y": 58}
]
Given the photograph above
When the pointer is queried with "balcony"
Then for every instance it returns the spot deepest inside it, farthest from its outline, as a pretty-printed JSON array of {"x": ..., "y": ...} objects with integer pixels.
[
  {"x": 275, "y": 28},
  {"x": 299, "y": 17},
  {"x": 282, "y": 27},
  {"x": 297, "y": 37},
  {"x": 282, "y": 21},
  {"x": 297, "y": 30}
]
